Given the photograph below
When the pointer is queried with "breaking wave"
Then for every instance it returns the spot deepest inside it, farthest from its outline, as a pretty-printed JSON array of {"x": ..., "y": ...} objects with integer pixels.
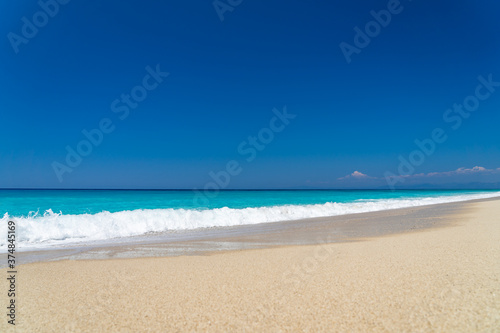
[{"x": 49, "y": 228}]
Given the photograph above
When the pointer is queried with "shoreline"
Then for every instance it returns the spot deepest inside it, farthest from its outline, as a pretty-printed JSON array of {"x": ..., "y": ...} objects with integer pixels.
[
  {"x": 433, "y": 279},
  {"x": 310, "y": 231}
]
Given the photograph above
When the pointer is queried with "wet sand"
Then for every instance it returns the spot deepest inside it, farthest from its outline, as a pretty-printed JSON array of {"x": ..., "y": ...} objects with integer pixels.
[
  {"x": 310, "y": 231},
  {"x": 440, "y": 271}
]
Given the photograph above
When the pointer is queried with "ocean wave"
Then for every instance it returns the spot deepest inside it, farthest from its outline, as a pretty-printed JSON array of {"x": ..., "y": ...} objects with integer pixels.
[{"x": 49, "y": 228}]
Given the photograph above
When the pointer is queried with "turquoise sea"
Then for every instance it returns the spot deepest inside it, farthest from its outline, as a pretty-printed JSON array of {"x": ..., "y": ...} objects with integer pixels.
[{"x": 48, "y": 217}]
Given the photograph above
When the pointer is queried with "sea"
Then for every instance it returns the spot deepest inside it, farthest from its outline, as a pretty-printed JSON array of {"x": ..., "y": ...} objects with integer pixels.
[{"x": 46, "y": 219}]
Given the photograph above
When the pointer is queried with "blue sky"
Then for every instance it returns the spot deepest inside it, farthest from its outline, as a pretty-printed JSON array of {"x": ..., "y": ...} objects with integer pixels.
[{"x": 225, "y": 77}]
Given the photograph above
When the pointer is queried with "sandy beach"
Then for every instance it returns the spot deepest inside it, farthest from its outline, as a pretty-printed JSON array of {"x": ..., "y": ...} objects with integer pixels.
[{"x": 443, "y": 278}]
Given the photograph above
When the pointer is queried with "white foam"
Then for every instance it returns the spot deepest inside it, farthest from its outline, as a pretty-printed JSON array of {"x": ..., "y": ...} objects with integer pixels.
[{"x": 57, "y": 229}]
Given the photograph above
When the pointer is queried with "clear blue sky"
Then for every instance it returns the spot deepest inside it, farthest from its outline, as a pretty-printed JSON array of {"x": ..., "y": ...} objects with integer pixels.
[{"x": 225, "y": 78}]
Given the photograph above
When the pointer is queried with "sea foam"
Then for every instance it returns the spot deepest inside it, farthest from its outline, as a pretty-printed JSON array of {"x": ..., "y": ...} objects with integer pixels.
[{"x": 49, "y": 229}]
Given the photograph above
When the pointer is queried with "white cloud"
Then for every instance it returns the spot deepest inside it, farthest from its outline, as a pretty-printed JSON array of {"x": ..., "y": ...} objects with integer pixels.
[
  {"x": 459, "y": 171},
  {"x": 477, "y": 170},
  {"x": 356, "y": 175}
]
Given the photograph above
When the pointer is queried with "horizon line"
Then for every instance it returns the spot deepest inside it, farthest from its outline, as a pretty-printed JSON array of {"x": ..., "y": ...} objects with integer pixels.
[{"x": 243, "y": 189}]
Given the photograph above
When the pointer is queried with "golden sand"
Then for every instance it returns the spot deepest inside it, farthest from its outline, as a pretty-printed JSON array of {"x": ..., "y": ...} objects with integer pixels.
[{"x": 441, "y": 279}]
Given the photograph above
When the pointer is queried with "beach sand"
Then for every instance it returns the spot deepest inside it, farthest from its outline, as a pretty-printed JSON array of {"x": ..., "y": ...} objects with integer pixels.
[{"x": 443, "y": 278}]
